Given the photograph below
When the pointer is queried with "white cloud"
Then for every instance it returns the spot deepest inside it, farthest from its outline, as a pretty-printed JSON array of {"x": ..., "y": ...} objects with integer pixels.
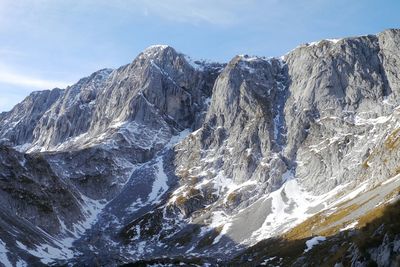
[
  {"x": 213, "y": 12},
  {"x": 32, "y": 82},
  {"x": 14, "y": 87},
  {"x": 217, "y": 12}
]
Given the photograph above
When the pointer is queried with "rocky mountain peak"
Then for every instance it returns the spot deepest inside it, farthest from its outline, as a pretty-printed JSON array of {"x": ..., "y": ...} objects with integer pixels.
[
  {"x": 158, "y": 50},
  {"x": 163, "y": 57},
  {"x": 156, "y": 83}
]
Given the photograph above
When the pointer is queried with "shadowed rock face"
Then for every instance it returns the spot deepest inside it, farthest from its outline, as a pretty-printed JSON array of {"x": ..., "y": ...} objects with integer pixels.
[
  {"x": 169, "y": 157},
  {"x": 32, "y": 191},
  {"x": 37, "y": 208}
]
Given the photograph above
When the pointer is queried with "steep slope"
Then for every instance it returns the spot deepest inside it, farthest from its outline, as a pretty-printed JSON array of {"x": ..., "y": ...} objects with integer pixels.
[
  {"x": 345, "y": 102},
  {"x": 184, "y": 161},
  {"x": 373, "y": 240},
  {"x": 71, "y": 115},
  {"x": 17, "y": 125},
  {"x": 40, "y": 212}
]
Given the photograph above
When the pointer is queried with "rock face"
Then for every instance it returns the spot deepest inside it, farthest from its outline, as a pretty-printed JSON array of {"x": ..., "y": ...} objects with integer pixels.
[
  {"x": 166, "y": 160},
  {"x": 18, "y": 124},
  {"x": 245, "y": 121},
  {"x": 34, "y": 192},
  {"x": 347, "y": 88},
  {"x": 38, "y": 209},
  {"x": 71, "y": 115}
]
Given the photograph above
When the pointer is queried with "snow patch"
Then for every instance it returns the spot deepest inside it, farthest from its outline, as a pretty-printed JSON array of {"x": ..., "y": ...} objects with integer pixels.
[
  {"x": 135, "y": 206},
  {"x": 334, "y": 41},
  {"x": 160, "y": 183},
  {"x": 177, "y": 138},
  {"x": 22, "y": 148},
  {"x": 3, "y": 255},
  {"x": 92, "y": 208},
  {"x": 391, "y": 180},
  {"x": 267, "y": 260},
  {"x": 195, "y": 64},
  {"x": 379, "y": 120},
  {"x": 218, "y": 219},
  {"x": 154, "y": 50},
  {"x": 349, "y": 226},
  {"x": 313, "y": 242},
  {"x": 46, "y": 253},
  {"x": 21, "y": 263},
  {"x": 289, "y": 206}
]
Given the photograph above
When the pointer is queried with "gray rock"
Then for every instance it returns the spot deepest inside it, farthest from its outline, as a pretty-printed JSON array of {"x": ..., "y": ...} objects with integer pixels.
[
  {"x": 71, "y": 115},
  {"x": 17, "y": 125}
]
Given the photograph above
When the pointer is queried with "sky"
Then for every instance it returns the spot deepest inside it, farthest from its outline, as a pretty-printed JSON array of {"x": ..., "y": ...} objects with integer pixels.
[{"x": 53, "y": 43}]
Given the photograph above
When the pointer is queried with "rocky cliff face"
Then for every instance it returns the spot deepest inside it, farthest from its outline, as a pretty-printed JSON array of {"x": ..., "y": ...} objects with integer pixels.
[
  {"x": 18, "y": 124},
  {"x": 166, "y": 160},
  {"x": 348, "y": 89},
  {"x": 71, "y": 115}
]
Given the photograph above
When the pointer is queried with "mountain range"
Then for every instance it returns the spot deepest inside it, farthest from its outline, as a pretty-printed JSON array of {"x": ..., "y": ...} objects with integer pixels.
[{"x": 168, "y": 161}]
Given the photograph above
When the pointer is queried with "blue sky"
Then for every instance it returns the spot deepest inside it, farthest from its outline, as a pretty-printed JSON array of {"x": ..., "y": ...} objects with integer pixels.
[{"x": 48, "y": 43}]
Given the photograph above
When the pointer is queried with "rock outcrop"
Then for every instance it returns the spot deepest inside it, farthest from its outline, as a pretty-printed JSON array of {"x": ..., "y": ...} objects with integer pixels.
[{"x": 17, "y": 125}]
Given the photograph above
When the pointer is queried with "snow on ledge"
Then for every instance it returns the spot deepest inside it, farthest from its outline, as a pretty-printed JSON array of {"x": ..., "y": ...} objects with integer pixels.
[
  {"x": 157, "y": 47},
  {"x": 313, "y": 242},
  {"x": 154, "y": 50},
  {"x": 349, "y": 226},
  {"x": 3, "y": 254},
  {"x": 334, "y": 41}
]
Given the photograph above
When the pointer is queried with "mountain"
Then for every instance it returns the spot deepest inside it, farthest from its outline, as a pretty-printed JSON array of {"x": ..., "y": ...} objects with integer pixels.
[{"x": 289, "y": 161}]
